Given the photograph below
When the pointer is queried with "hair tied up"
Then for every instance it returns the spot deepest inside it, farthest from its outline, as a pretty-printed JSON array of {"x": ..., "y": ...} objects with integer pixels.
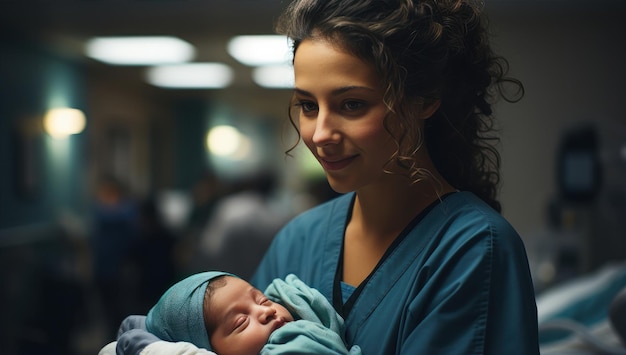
[{"x": 477, "y": 5}]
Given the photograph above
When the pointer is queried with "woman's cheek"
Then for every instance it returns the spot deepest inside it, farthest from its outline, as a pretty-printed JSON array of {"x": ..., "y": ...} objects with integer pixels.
[{"x": 306, "y": 131}]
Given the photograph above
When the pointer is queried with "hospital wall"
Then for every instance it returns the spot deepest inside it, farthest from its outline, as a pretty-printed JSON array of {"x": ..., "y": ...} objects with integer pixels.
[{"x": 570, "y": 59}]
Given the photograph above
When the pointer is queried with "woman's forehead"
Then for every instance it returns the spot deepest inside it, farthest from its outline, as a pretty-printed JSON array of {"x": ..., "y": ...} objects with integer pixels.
[{"x": 319, "y": 63}]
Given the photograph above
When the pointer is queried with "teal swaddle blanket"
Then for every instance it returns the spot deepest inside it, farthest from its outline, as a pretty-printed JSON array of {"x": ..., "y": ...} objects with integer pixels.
[{"x": 317, "y": 329}]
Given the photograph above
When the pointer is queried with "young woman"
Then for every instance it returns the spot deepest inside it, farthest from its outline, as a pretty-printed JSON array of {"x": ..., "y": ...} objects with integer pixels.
[{"x": 393, "y": 98}]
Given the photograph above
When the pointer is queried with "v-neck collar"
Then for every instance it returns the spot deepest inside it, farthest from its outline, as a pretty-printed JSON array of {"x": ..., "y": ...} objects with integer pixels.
[{"x": 383, "y": 281}]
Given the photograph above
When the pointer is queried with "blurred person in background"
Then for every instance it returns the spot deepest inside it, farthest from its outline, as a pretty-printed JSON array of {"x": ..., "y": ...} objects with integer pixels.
[
  {"x": 115, "y": 229},
  {"x": 241, "y": 227},
  {"x": 152, "y": 256},
  {"x": 205, "y": 193}
]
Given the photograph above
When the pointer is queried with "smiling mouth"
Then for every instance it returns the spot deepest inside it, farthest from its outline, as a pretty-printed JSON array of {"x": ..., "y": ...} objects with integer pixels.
[{"x": 336, "y": 164}]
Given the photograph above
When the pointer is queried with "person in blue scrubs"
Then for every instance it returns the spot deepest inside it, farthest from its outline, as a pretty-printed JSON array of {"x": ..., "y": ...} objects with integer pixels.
[{"x": 394, "y": 99}]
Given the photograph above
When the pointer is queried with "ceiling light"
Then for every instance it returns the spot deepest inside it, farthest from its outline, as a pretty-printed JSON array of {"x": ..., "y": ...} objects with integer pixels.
[
  {"x": 191, "y": 76},
  {"x": 274, "y": 76},
  {"x": 151, "y": 50},
  {"x": 260, "y": 50}
]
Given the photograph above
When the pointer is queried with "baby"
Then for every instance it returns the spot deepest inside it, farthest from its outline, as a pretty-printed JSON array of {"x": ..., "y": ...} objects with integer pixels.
[
  {"x": 239, "y": 317},
  {"x": 221, "y": 312}
]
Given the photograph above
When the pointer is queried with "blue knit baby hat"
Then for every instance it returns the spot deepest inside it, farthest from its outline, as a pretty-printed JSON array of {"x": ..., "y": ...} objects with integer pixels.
[{"x": 178, "y": 315}]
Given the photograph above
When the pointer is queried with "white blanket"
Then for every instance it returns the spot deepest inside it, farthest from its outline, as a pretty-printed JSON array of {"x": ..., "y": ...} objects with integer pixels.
[{"x": 162, "y": 348}]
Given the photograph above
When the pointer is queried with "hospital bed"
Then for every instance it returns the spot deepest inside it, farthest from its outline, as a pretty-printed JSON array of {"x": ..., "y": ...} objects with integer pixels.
[{"x": 585, "y": 315}]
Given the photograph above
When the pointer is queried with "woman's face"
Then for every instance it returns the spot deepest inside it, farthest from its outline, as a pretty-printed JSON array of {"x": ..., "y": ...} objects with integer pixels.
[
  {"x": 244, "y": 318},
  {"x": 341, "y": 114}
]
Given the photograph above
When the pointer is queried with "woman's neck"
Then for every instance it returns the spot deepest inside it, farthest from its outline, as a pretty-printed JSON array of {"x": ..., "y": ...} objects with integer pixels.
[
  {"x": 379, "y": 215},
  {"x": 384, "y": 211}
]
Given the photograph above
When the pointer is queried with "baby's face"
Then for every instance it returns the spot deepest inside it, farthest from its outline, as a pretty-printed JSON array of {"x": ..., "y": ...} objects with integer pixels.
[{"x": 243, "y": 317}]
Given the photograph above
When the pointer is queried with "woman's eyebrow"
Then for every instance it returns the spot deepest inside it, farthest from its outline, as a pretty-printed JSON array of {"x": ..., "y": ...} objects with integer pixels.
[
  {"x": 344, "y": 89},
  {"x": 337, "y": 91},
  {"x": 302, "y": 92}
]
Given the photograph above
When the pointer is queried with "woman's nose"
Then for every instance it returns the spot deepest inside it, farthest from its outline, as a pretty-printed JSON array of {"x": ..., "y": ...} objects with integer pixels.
[{"x": 325, "y": 129}]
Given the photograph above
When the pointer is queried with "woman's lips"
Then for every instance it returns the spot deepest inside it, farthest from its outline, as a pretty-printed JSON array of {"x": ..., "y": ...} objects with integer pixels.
[{"x": 336, "y": 164}]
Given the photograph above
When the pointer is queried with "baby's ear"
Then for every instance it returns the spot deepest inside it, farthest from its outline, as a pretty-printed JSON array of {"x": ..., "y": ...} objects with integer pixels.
[{"x": 427, "y": 108}]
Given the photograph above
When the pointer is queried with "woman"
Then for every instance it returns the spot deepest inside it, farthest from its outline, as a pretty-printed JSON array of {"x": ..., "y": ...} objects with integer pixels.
[
  {"x": 394, "y": 97},
  {"x": 394, "y": 100}
]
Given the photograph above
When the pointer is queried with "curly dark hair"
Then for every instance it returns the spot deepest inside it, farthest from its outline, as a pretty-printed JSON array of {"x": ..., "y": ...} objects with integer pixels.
[
  {"x": 210, "y": 323},
  {"x": 424, "y": 51}
]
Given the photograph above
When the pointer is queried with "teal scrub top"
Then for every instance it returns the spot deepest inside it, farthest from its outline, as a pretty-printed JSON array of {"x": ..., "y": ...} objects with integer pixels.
[{"x": 456, "y": 282}]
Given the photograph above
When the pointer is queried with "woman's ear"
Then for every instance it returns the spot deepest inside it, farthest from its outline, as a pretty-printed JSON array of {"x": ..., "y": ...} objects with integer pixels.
[{"x": 428, "y": 108}]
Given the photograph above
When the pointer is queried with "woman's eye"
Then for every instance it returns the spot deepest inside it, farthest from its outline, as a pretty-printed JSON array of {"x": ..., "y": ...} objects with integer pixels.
[
  {"x": 306, "y": 106},
  {"x": 353, "y": 105}
]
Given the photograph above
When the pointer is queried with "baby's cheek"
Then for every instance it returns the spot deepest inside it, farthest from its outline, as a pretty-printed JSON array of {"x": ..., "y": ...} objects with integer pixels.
[{"x": 287, "y": 316}]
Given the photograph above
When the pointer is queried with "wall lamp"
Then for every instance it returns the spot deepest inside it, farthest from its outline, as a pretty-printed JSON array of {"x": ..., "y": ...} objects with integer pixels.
[{"x": 61, "y": 122}]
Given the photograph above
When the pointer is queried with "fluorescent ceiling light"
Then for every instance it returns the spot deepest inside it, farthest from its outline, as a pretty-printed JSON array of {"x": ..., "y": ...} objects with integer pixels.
[
  {"x": 153, "y": 50},
  {"x": 274, "y": 76},
  {"x": 260, "y": 50},
  {"x": 191, "y": 76}
]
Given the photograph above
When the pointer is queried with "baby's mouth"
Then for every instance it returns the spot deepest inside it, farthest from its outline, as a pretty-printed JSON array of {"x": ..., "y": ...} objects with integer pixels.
[{"x": 279, "y": 322}]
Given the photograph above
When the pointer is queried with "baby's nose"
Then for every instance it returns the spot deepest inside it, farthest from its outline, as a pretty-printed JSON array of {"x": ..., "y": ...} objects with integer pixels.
[{"x": 267, "y": 314}]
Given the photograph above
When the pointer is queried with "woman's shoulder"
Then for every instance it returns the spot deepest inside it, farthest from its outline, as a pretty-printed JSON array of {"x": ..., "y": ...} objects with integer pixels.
[
  {"x": 466, "y": 206},
  {"x": 464, "y": 211}
]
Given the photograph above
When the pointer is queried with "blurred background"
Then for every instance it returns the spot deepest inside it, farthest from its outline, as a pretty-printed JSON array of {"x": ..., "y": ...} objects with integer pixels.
[{"x": 114, "y": 184}]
